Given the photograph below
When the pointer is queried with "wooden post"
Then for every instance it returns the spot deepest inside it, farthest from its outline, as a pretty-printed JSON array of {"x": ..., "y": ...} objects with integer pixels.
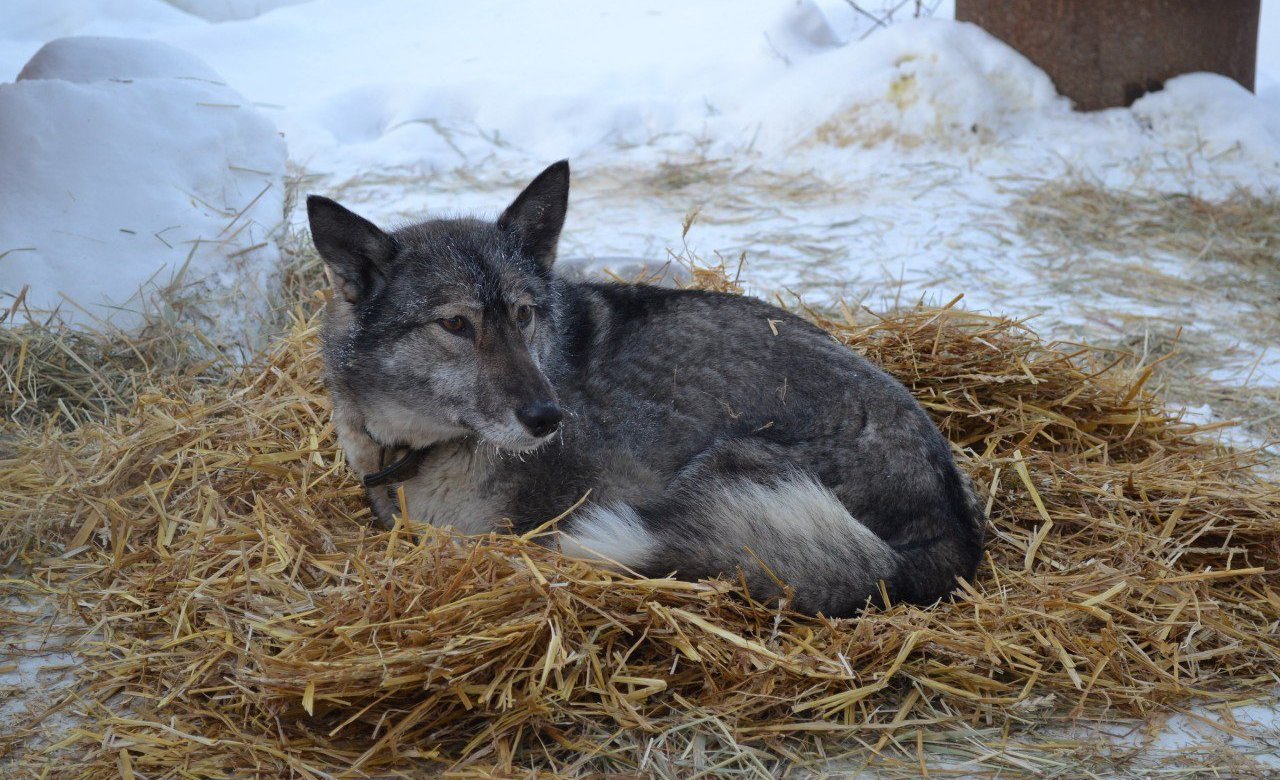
[{"x": 1107, "y": 53}]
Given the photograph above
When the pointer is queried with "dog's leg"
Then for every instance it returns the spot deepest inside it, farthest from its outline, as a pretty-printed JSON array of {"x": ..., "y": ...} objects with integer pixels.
[
  {"x": 365, "y": 457},
  {"x": 744, "y": 506}
]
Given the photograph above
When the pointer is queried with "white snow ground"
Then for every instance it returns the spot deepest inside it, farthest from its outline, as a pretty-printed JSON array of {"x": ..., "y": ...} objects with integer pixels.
[{"x": 843, "y": 159}]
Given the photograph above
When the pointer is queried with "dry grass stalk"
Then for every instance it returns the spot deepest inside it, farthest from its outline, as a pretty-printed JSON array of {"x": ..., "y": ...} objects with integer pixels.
[
  {"x": 1069, "y": 215},
  {"x": 52, "y": 372},
  {"x": 71, "y": 376},
  {"x": 240, "y": 619}
]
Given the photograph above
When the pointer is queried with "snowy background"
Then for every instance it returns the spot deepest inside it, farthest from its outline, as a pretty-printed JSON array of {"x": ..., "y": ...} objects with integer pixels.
[{"x": 160, "y": 158}]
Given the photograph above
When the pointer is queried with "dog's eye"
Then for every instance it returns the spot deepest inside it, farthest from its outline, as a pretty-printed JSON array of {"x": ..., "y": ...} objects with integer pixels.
[
  {"x": 524, "y": 314},
  {"x": 458, "y": 325}
]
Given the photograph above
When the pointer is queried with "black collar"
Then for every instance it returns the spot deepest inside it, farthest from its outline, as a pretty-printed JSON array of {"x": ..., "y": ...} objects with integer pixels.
[{"x": 401, "y": 469}]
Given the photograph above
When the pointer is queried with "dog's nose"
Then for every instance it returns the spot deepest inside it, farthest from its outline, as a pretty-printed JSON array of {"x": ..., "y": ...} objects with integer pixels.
[{"x": 540, "y": 418}]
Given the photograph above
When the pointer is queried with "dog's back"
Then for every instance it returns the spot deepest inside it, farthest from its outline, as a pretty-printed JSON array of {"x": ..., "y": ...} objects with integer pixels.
[
  {"x": 709, "y": 425},
  {"x": 715, "y": 434}
]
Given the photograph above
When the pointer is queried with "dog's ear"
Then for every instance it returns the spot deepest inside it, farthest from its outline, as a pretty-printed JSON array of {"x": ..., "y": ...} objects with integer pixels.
[
  {"x": 353, "y": 247},
  {"x": 536, "y": 216}
]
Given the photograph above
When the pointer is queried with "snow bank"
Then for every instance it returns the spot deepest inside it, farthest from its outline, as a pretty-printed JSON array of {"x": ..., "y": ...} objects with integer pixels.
[
  {"x": 385, "y": 82},
  {"x": 390, "y": 85},
  {"x": 450, "y": 83},
  {"x": 231, "y": 10},
  {"x": 137, "y": 171},
  {"x": 427, "y": 88},
  {"x": 86, "y": 60},
  {"x": 920, "y": 82},
  {"x": 26, "y": 25},
  {"x": 1213, "y": 115}
]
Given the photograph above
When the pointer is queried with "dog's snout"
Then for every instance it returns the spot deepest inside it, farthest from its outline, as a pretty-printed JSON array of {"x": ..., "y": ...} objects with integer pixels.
[{"x": 540, "y": 418}]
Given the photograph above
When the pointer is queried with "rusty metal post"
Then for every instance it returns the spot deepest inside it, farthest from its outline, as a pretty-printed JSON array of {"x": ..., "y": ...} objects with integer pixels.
[{"x": 1106, "y": 53}]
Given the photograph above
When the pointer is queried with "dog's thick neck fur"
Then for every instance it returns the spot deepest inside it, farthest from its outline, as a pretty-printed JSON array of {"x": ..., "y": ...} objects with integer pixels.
[{"x": 711, "y": 434}]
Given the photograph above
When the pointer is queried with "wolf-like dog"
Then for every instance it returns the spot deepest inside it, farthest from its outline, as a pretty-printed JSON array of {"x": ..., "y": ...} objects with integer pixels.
[{"x": 713, "y": 434}]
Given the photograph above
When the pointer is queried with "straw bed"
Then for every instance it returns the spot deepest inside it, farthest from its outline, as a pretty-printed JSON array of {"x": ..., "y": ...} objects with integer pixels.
[{"x": 240, "y": 619}]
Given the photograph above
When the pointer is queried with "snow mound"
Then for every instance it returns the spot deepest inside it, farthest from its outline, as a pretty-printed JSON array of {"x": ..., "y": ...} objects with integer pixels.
[
  {"x": 827, "y": 23},
  {"x": 230, "y": 10},
  {"x": 915, "y": 83},
  {"x": 143, "y": 180},
  {"x": 1213, "y": 115},
  {"x": 90, "y": 59},
  {"x": 26, "y": 25}
]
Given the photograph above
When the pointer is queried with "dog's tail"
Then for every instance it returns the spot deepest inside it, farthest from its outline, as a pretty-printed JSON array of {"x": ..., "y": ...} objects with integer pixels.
[{"x": 792, "y": 531}]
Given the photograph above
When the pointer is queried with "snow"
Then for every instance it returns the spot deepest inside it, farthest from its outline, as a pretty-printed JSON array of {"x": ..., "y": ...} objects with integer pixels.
[
  {"x": 229, "y": 10},
  {"x": 1215, "y": 116},
  {"x": 88, "y": 59},
  {"x": 36, "y": 668},
  {"x": 1268, "y": 80},
  {"x": 837, "y": 22},
  {"x": 26, "y": 25},
  {"x": 139, "y": 171}
]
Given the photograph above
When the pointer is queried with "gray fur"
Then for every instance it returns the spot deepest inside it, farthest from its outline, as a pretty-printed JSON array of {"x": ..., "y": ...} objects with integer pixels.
[{"x": 717, "y": 434}]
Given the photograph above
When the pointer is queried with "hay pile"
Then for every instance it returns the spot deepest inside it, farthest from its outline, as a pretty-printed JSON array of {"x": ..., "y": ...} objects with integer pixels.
[{"x": 239, "y": 618}]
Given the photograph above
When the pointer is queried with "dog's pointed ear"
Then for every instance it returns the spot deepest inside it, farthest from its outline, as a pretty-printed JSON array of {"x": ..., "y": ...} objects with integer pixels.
[
  {"x": 354, "y": 248},
  {"x": 536, "y": 216}
]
